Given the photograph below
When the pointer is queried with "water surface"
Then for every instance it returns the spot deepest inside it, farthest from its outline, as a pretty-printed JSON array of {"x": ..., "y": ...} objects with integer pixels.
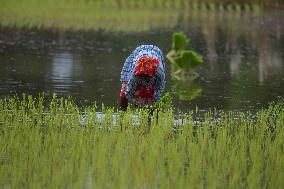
[{"x": 243, "y": 61}]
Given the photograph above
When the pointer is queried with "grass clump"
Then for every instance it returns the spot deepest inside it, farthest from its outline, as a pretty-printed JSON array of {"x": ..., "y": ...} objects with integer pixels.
[{"x": 56, "y": 144}]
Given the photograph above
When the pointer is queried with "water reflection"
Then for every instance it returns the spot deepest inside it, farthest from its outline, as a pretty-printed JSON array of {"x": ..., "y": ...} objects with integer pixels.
[
  {"x": 186, "y": 90},
  {"x": 62, "y": 66},
  {"x": 235, "y": 62},
  {"x": 64, "y": 71}
]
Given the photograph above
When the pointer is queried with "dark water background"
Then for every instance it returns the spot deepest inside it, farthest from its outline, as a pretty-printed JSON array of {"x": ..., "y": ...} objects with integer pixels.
[{"x": 243, "y": 62}]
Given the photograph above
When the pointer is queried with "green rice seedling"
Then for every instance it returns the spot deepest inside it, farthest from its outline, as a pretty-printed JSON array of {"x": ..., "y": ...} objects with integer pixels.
[
  {"x": 183, "y": 60},
  {"x": 111, "y": 15},
  {"x": 56, "y": 144}
]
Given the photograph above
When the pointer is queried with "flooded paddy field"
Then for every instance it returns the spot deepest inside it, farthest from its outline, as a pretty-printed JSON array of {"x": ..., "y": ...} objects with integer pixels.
[
  {"x": 242, "y": 70},
  {"x": 221, "y": 130}
]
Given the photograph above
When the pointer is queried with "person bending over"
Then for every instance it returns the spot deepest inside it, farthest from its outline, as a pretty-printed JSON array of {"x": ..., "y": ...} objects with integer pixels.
[{"x": 142, "y": 77}]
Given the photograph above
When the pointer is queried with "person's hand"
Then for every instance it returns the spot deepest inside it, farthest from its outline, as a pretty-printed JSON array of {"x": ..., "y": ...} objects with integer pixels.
[
  {"x": 123, "y": 86},
  {"x": 123, "y": 103},
  {"x": 123, "y": 90},
  {"x": 123, "y": 99}
]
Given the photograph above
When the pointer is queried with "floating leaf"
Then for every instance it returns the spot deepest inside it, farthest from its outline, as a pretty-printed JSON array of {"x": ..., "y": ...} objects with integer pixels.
[{"x": 180, "y": 41}]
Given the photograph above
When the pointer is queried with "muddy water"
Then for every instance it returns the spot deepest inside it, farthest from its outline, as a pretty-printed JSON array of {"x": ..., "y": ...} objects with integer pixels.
[{"x": 243, "y": 62}]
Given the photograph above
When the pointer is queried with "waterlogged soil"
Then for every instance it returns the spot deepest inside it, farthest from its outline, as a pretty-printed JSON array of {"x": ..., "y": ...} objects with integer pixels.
[{"x": 243, "y": 63}]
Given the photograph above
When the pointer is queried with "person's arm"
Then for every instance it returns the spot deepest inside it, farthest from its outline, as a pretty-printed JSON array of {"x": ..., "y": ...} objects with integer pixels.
[
  {"x": 123, "y": 99},
  {"x": 123, "y": 103},
  {"x": 125, "y": 76},
  {"x": 127, "y": 92}
]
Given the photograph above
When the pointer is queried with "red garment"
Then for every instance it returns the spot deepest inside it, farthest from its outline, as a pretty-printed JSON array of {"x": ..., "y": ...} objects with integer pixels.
[
  {"x": 122, "y": 93},
  {"x": 144, "y": 93},
  {"x": 145, "y": 66}
]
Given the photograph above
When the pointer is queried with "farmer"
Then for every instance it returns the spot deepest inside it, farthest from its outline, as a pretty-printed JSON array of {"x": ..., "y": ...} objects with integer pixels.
[{"x": 142, "y": 77}]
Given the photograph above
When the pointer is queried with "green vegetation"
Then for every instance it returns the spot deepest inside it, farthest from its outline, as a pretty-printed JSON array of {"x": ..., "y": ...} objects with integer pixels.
[
  {"x": 183, "y": 63},
  {"x": 113, "y": 15},
  {"x": 59, "y": 145}
]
